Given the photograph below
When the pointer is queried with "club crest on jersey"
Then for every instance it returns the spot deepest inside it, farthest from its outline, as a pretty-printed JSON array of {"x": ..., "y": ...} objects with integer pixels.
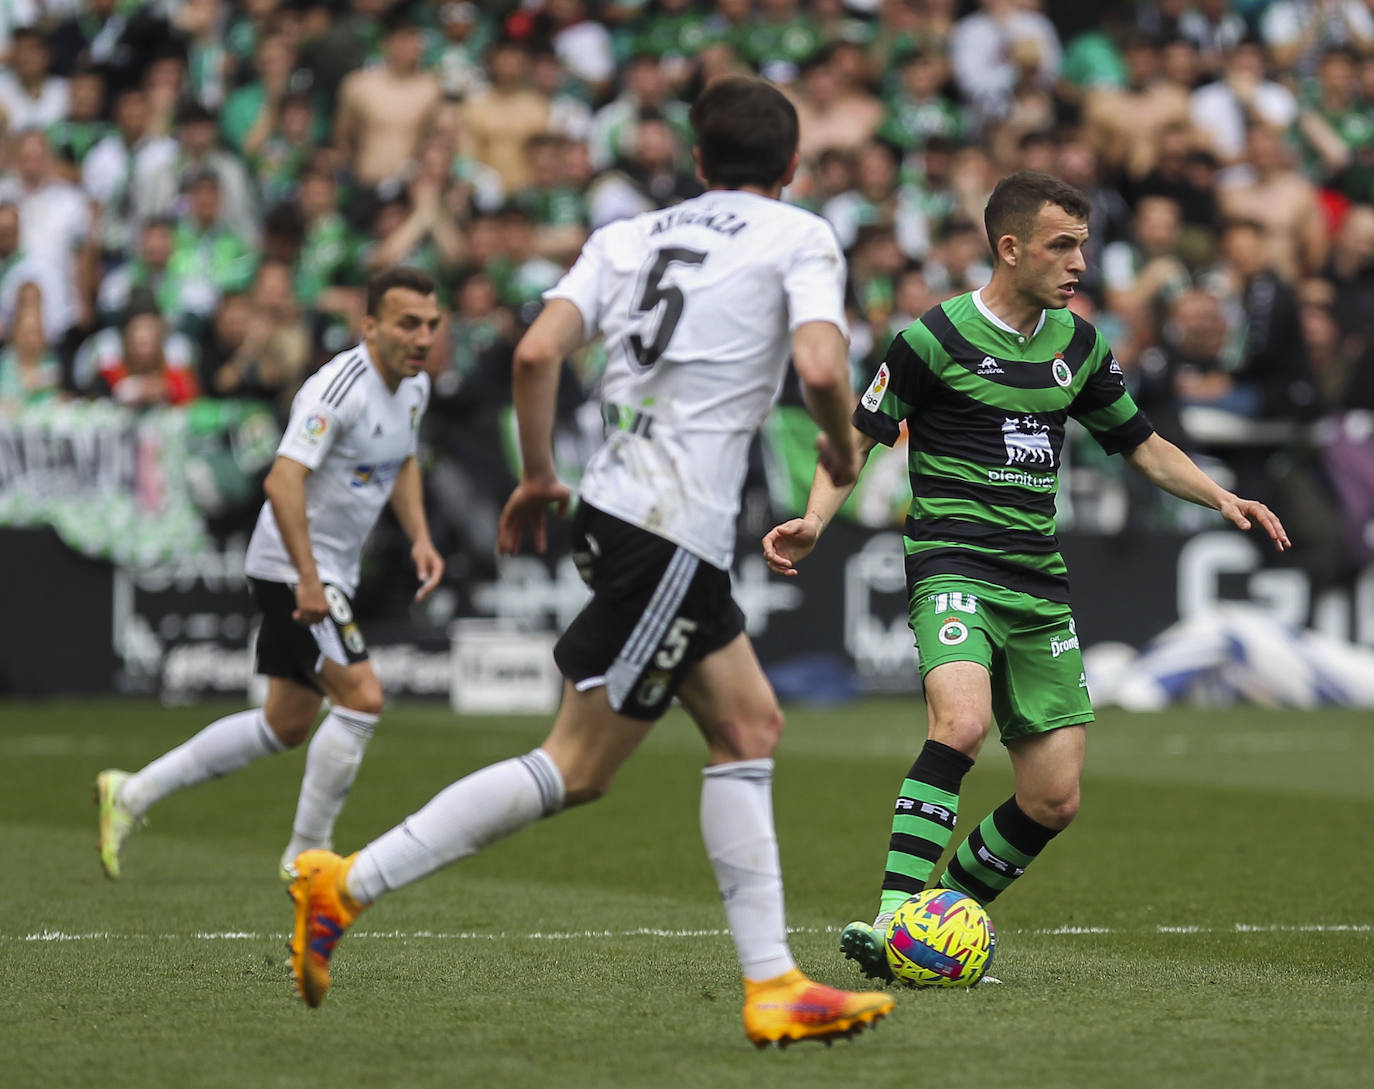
[
  {"x": 873, "y": 396},
  {"x": 1027, "y": 441},
  {"x": 1060, "y": 370},
  {"x": 414, "y": 417},
  {"x": 314, "y": 427},
  {"x": 989, "y": 366}
]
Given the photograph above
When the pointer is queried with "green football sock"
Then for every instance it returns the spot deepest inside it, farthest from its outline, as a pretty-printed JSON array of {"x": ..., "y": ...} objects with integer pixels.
[
  {"x": 923, "y": 821},
  {"x": 996, "y": 853}
]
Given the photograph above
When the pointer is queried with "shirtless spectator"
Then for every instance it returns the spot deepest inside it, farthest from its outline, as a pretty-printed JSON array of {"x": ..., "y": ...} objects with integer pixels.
[
  {"x": 385, "y": 113},
  {"x": 1223, "y": 110},
  {"x": 1273, "y": 193},
  {"x": 500, "y": 122},
  {"x": 1126, "y": 125},
  {"x": 830, "y": 114}
]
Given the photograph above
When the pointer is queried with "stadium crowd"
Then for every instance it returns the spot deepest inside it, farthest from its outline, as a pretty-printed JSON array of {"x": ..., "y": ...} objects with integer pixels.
[{"x": 193, "y": 192}]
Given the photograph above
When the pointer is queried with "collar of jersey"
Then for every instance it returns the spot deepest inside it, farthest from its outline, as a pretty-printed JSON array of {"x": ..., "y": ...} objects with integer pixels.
[{"x": 1016, "y": 345}]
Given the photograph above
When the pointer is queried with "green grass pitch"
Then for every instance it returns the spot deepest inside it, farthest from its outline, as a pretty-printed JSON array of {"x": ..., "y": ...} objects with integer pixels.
[{"x": 1206, "y": 922}]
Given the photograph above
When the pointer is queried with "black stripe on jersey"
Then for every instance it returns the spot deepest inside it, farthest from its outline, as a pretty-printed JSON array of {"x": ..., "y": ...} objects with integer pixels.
[
  {"x": 1127, "y": 436},
  {"x": 940, "y": 487},
  {"x": 347, "y": 369},
  {"x": 353, "y": 377},
  {"x": 988, "y": 568},
  {"x": 1019, "y": 374},
  {"x": 876, "y": 425},
  {"x": 1016, "y": 541}
]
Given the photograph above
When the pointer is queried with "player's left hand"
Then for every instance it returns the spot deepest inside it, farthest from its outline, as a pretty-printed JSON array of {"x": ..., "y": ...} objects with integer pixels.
[
  {"x": 429, "y": 566},
  {"x": 528, "y": 506},
  {"x": 1246, "y": 512}
]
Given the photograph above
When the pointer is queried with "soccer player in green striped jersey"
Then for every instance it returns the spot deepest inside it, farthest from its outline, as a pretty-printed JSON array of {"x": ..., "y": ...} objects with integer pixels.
[{"x": 985, "y": 383}]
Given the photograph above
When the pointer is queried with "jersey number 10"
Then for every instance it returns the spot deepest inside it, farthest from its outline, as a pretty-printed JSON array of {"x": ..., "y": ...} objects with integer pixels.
[{"x": 654, "y": 293}]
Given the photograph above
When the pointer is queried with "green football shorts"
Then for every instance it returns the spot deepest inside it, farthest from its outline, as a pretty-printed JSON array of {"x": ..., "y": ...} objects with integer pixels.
[{"x": 1028, "y": 645}]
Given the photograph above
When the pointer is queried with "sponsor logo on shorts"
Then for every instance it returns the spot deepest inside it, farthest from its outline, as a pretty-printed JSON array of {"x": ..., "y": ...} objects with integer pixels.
[
  {"x": 353, "y": 638},
  {"x": 1059, "y": 646},
  {"x": 953, "y": 632},
  {"x": 873, "y": 396}
]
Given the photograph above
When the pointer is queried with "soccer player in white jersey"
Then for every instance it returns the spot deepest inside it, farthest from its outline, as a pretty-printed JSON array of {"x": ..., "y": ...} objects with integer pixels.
[
  {"x": 349, "y": 448},
  {"x": 699, "y": 305}
]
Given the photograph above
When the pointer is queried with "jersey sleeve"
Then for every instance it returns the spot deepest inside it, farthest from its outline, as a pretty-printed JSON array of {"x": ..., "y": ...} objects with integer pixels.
[
  {"x": 1106, "y": 409},
  {"x": 813, "y": 280},
  {"x": 894, "y": 392},
  {"x": 318, "y": 417},
  {"x": 581, "y": 284}
]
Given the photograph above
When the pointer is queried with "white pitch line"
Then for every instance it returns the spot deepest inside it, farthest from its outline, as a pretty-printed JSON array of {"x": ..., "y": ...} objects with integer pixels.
[{"x": 655, "y": 932}]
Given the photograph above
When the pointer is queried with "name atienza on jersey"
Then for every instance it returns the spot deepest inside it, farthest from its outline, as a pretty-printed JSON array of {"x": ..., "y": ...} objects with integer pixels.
[
  {"x": 698, "y": 338},
  {"x": 354, "y": 434}
]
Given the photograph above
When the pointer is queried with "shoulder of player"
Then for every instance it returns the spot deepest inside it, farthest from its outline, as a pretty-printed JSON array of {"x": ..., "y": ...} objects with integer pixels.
[{"x": 337, "y": 384}]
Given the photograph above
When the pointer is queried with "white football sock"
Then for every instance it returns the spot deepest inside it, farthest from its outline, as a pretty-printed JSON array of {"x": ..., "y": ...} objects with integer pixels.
[
  {"x": 459, "y": 821},
  {"x": 331, "y": 765},
  {"x": 737, "y": 827},
  {"x": 226, "y": 745}
]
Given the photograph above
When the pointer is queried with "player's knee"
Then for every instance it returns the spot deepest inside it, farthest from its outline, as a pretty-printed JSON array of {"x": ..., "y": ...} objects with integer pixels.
[
  {"x": 367, "y": 697},
  {"x": 1056, "y": 810},
  {"x": 961, "y": 730},
  {"x": 749, "y": 737},
  {"x": 291, "y": 727},
  {"x": 584, "y": 789}
]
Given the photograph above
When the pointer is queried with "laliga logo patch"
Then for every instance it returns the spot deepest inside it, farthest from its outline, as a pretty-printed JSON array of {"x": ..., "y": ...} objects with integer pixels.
[
  {"x": 873, "y": 396},
  {"x": 1062, "y": 375},
  {"x": 953, "y": 632},
  {"x": 314, "y": 427}
]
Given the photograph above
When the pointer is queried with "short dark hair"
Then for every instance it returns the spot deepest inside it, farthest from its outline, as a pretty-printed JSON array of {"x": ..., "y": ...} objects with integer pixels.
[
  {"x": 404, "y": 276},
  {"x": 746, "y": 132},
  {"x": 1018, "y": 197}
]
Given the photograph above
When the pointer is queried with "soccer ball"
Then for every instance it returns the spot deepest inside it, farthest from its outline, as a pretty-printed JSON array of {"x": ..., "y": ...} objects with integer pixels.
[{"x": 940, "y": 938}]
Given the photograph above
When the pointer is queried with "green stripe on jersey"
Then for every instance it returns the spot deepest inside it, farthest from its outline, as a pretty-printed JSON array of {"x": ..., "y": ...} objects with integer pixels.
[{"x": 985, "y": 409}]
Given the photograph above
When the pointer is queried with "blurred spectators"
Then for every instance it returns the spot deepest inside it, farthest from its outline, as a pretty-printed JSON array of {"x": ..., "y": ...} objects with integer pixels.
[
  {"x": 193, "y": 193},
  {"x": 139, "y": 363}
]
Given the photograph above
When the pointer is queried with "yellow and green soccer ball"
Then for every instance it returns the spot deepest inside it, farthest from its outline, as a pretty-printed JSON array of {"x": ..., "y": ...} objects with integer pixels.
[{"x": 940, "y": 938}]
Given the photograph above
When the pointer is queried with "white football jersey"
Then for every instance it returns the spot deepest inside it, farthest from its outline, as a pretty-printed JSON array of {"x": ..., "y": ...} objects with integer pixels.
[
  {"x": 354, "y": 435},
  {"x": 696, "y": 303}
]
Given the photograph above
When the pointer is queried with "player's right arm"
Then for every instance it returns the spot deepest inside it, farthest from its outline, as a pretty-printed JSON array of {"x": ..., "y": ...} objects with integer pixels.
[
  {"x": 285, "y": 488},
  {"x": 821, "y": 359},
  {"x": 556, "y": 333}
]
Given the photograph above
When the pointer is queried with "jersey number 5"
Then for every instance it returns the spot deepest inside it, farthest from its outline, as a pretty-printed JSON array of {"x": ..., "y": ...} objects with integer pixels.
[{"x": 654, "y": 293}]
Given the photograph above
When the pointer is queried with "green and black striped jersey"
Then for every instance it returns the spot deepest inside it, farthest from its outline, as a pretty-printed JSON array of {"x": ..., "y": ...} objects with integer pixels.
[{"x": 985, "y": 408}]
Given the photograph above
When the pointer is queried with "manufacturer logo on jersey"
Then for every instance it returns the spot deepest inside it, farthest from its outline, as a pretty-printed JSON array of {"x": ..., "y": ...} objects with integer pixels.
[
  {"x": 953, "y": 632},
  {"x": 1114, "y": 367},
  {"x": 377, "y": 431},
  {"x": 1027, "y": 441},
  {"x": 1060, "y": 370},
  {"x": 989, "y": 366},
  {"x": 314, "y": 427},
  {"x": 873, "y": 396}
]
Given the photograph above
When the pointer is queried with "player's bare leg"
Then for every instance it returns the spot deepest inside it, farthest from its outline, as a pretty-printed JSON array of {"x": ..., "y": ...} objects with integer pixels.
[{"x": 733, "y": 705}]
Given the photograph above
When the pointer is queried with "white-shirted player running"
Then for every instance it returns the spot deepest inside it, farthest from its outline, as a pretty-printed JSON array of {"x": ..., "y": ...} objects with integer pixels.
[
  {"x": 349, "y": 448},
  {"x": 700, "y": 305}
]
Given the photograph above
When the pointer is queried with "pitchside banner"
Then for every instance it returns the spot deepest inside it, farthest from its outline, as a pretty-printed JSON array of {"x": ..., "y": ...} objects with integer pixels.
[{"x": 182, "y": 629}]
